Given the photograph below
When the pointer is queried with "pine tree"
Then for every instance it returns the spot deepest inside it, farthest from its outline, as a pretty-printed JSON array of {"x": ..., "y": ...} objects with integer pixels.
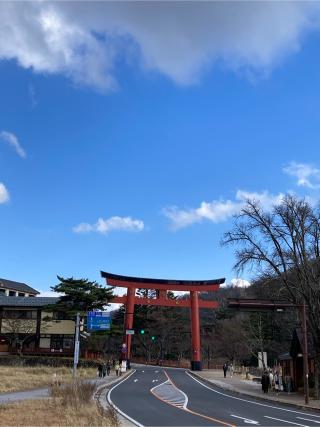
[{"x": 80, "y": 295}]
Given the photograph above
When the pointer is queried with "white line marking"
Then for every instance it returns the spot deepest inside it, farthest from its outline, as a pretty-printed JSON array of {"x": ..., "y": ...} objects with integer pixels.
[
  {"x": 307, "y": 419},
  {"x": 185, "y": 396},
  {"x": 135, "y": 380},
  {"x": 286, "y": 421},
  {"x": 155, "y": 381},
  {"x": 159, "y": 385},
  {"x": 246, "y": 420},
  {"x": 119, "y": 410},
  {"x": 250, "y": 401},
  {"x": 156, "y": 372}
]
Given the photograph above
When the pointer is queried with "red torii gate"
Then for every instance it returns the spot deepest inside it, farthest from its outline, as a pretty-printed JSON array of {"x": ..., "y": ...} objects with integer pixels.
[{"x": 162, "y": 286}]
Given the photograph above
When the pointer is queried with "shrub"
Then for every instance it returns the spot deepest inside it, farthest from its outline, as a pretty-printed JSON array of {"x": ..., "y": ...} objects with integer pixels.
[{"x": 75, "y": 394}]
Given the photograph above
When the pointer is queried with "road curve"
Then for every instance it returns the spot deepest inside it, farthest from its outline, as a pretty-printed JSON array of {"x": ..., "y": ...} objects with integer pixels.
[{"x": 154, "y": 396}]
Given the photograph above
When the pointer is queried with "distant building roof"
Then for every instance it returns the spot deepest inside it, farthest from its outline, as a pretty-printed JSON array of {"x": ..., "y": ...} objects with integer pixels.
[
  {"x": 17, "y": 286},
  {"x": 26, "y": 301}
]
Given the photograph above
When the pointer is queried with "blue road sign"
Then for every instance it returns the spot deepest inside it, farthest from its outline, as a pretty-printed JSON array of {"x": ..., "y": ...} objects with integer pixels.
[{"x": 98, "y": 321}]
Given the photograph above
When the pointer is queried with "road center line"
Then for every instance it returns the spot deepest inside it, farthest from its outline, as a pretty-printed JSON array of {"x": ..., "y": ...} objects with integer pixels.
[
  {"x": 250, "y": 401},
  {"x": 285, "y": 421}
]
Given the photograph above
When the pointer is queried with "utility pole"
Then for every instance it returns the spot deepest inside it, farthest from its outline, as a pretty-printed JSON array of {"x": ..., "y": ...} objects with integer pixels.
[
  {"x": 76, "y": 346},
  {"x": 305, "y": 354}
]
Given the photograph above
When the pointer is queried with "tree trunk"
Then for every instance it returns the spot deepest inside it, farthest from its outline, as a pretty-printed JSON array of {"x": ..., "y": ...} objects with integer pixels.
[{"x": 316, "y": 376}]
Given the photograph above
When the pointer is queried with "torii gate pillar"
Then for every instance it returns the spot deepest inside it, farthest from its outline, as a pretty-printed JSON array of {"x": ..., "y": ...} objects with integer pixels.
[
  {"x": 128, "y": 321},
  {"x": 162, "y": 286},
  {"x": 195, "y": 332}
]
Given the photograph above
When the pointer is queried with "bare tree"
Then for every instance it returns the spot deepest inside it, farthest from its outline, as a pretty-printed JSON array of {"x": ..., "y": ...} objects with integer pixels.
[
  {"x": 283, "y": 244},
  {"x": 18, "y": 330}
]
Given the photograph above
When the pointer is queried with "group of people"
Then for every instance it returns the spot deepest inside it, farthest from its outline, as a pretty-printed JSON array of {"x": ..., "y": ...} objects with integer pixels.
[
  {"x": 228, "y": 368},
  {"x": 271, "y": 380},
  {"x": 104, "y": 368}
]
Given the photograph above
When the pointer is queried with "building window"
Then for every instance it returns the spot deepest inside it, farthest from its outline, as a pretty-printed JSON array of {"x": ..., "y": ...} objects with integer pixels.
[
  {"x": 20, "y": 314},
  {"x": 12, "y": 293},
  {"x": 60, "y": 315},
  {"x": 68, "y": 342},
  {"x": 56, "y": 342},
  {"x": 21, "y": 294},
  {"x": 59, "y": 342},
  {"x": 2, "y": 291}
]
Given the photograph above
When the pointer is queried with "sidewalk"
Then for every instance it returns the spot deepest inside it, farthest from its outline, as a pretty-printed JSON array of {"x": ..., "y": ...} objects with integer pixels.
[
  {"x": 44, "y": 392},
  {"x": 251, "y": 388}
]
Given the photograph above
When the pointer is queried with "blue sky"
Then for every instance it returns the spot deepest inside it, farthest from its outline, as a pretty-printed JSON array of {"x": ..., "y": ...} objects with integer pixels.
[{"x": 129, "y": 150}]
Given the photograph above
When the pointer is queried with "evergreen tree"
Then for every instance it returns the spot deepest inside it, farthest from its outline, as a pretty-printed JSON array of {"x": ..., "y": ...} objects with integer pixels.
[{"x": 80, "y": 295}]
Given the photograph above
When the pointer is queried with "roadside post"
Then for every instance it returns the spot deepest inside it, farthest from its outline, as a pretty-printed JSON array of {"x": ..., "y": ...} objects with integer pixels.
[{"x": 76, "y": 347}]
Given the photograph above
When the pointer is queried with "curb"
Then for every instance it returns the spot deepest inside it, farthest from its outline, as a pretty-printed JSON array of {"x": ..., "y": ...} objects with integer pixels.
[
  {"x": 242, "y": 393},
  {"x": 99, "y": 391}
]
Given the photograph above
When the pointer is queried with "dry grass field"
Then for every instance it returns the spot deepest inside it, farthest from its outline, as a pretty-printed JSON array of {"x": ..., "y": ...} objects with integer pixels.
[
  {"x": 14, "y": 378},
  {"x": 68, "y": 406}
]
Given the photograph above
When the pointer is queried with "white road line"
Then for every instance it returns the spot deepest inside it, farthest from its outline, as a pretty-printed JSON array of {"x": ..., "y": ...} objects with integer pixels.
[
  {"x": 155, "y": 381},
  {"x": 250, "y": 401},
  {"x": 135, "y": 380},
  {"x": 286, "y": 421},
  {"x": 159, "y": 385},
  {"x": 116, "y": 408},
  {"x": 246, "y": 420},
  {"x": 307, "y": 419},
  {"x": 185, "y": 396}
]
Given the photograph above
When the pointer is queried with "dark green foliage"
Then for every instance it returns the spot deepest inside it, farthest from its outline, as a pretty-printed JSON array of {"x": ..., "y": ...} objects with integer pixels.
[{"x": 81, "y": 295}]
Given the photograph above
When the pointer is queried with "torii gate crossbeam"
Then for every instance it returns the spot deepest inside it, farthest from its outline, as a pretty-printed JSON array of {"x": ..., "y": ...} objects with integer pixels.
[{"x": 162, "y": 286}]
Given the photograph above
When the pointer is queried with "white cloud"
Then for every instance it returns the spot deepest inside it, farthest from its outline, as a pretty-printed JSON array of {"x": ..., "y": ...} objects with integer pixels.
[
  {"x": 307, "y": 175},
  {"x": 49, "y": 294},
  {"x": 82, "y": 40},
  {"x": 266, "y": 200},
  {"x": 215, "y": 211},
  {"x": 115, "y": 223},
  {"x": 236, "y": 283},
  {"x": 4, "y": 194},
  {"x": 12, "y": 140},
  {"x": 218, "y": 210}
]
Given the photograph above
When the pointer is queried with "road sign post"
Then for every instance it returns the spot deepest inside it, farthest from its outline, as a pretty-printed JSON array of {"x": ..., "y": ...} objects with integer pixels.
[{"x": 76, "y": 347}]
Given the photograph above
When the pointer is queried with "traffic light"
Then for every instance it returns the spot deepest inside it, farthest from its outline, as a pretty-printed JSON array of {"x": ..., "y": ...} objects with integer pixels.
[
  {"x": 153, "y": 338},
  {"x": 142, "y": 331}
]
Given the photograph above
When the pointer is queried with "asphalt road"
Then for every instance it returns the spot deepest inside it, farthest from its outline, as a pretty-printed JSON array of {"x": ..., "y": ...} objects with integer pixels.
[{"x": 153, "y": 396}]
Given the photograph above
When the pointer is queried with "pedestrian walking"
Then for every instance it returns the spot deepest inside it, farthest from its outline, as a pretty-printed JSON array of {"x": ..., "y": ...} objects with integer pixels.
[
  {"x": 270, "y": 379},
  {"x": 231, "y": 370},
  {"x": 104, "y": 370},
  {"x": 225, "y": 368},
  {"x": 100, "y": 370},
  {"x": 117, "y": 368},
  {"x": 276, "y": 380},
  {"x": 108, "y": 367},
  {"x": 265, "y": 381}
]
